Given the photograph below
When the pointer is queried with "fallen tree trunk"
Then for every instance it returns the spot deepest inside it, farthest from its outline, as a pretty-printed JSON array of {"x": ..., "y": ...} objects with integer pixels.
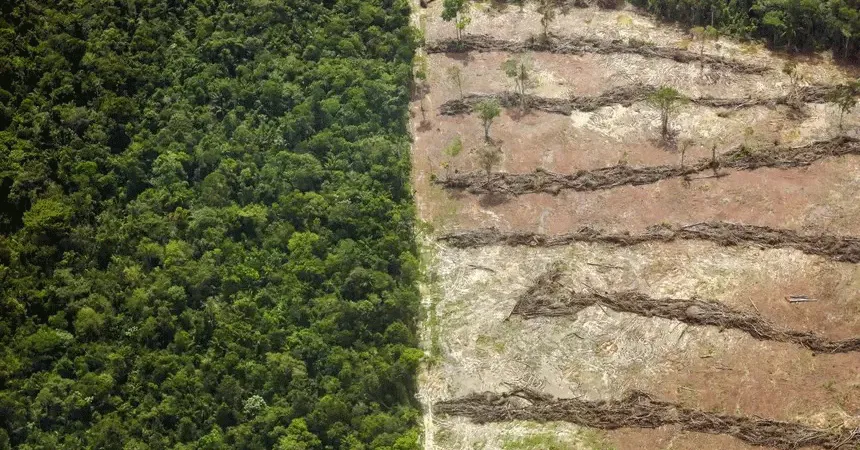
[
  {"x": 621, "y": 175},
  {"x": 549, "y": 298},
  {"x": 837, "y": 248}
]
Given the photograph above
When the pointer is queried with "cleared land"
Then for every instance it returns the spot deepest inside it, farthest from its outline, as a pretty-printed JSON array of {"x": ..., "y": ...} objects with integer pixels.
[{"x": 571, "y": 277}]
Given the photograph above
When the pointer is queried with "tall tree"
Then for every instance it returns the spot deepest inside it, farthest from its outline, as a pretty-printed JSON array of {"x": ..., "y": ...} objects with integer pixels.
[
  {"x": 844, "y": 97},
  {"x": 487, "y": 111},
  {"x": 488, "y": 156},
  {"x": 547, "y": 11},
  {"x": 458, "y": 12},
  {"x": 519, "y": 69},
  {"x": 455, "y": 74},
  {"x": 704, "y": 35},
  {"x": 666, "y": 100}
]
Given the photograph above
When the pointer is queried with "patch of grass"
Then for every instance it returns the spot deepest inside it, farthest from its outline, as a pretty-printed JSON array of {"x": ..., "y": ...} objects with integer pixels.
[
  {"x": 425, "y": 228},
  {"x": 545, "y": 441},
  {"x": 624, "y": 20},
  {"x": 585, "y": 439},
  {"x": 639, "y": 43},
  {"x": 444, "y": 438},
  {"x": 750, "y": 48},
  {"x": 490, "y": 342},
  {"x": 433, "y": 292},
  {"x": 446, "y": 208},
  {"x": 790, "y": 135},
  {"x": 430, "y": 289},
  {"x": 595, "y": 440}
]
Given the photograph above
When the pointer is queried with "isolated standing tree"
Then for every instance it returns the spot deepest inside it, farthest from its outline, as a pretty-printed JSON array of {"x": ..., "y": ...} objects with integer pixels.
[
  {"x": 488, "y": 157},
  {"x": 451, "y": 151},
  {"x": 845, "y": 98},
  {"x": 546, "y": 8},
  {"x": 667, "y": 100},
  {"x": 456, "y": 10},
  {"x": 488, "y": 110},
  {"x": 455, "y": 74},
  {"x": 715, "y": 163},
  {"x": 518, "y": 68},
  {"x": 682, "y": 147},
  {"x": 703, "y": 35}
]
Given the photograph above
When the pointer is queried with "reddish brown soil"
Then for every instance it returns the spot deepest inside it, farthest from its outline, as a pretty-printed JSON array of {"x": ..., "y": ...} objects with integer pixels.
[
  {"x": 836, "y": 314},
  {"x": 675, "y": 439},
  {"x": 818, "y": 198},
  {"x": 548, "y": 141},
  {"x": 755, "y": 380}
]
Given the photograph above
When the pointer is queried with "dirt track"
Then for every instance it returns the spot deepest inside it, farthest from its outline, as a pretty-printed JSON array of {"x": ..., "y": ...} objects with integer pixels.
[
  {"x": 548, "y": 297},
  {"x": 838, "y": 248},
  {"x": 641, "y": 411},
  {"x": 620, "y": 175},
  {"x": 483, "y": 43}
]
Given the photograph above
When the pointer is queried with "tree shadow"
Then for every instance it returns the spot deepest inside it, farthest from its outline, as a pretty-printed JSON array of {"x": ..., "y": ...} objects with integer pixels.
[
  {"x": 456, "y": 194},
  {"x": 464, "y": 57},
  {"x": 495, "y": 142},
  {"x": 517, "y": 113},
  {"x": 669, "y": 142},
  {"x": 797, "y": 111},
  {"x": 424, "y": 125},
  {"x": 499, "y": 6},
  {"x": 492, "y": 199}
]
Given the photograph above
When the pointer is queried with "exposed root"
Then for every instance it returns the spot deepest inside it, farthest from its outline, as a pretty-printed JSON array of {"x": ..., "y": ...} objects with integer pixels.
[
  {"x": 627, "y": 95},
  {"x": 638, "y": 410},
  {"x": 837, "y": 248},
  {"x": 610, "y": 177},
  {"x": 582, "y": 45},
  {"x": 548, "y": 297}
]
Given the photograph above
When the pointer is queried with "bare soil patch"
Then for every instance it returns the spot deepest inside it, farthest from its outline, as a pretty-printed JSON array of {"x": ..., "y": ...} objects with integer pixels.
[
  {"x": 639, "y": 410},
  {"x": 675, "y": 438},
  {"x": 620, "y": 175},
  {"x": 548, "y": 297},
  {"x": 606, "y": 137},
  {"x": 838, "y": 248}
]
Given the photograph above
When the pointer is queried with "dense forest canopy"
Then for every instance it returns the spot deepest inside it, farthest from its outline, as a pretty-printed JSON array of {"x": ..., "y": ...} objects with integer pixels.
[
  {"x": 788, "y": 24},
  {"x": 206, "y": 230}
]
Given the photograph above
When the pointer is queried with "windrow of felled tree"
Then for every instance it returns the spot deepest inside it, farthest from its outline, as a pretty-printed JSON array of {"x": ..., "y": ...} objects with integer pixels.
[{"x": 206, "y": 227}]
